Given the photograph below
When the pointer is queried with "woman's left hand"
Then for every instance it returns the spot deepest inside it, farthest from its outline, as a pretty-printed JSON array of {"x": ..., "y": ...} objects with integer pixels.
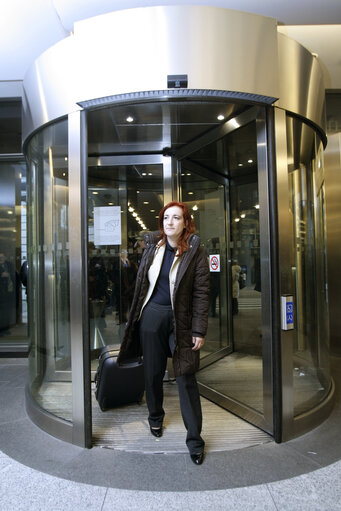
[{"x": 198, "y": 343}]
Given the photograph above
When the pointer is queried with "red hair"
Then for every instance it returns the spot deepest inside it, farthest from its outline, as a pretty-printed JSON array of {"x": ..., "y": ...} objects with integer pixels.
[{"x": 189, "y": 226}]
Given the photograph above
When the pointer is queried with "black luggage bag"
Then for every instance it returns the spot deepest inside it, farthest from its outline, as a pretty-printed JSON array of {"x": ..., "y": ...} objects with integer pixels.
[{"x": 118, "y": 384}]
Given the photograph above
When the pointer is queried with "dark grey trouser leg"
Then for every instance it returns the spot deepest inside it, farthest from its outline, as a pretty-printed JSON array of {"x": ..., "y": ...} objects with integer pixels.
[
  {"x": 154, "y": 335},
  {"x": 191, "y": 412}
]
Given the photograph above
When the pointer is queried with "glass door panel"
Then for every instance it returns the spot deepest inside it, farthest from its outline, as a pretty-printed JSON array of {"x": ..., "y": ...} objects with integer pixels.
[
  {"x": 220, "y": 184},
  {"x": 123, "y": 203},
  {"x": 206, "y": 200}
]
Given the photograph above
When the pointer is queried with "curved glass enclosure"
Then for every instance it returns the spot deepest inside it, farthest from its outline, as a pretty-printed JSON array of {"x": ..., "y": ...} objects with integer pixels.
[
  {"x": 311, "y": 382},
  {"x": 101, "y": 177},
  {"x": 48, "y": 290}
]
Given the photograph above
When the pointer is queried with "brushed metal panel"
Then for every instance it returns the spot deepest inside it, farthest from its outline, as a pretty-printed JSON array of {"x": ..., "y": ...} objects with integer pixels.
[
  {"x": 285, "y": 238},
  {"x": 301, "y": 82},
  {"x": 134, "y": 50},
  {"x": 80, "y": 349},
  {"x": 266, "y": 277},
  {"x": 332, "y": 162}
]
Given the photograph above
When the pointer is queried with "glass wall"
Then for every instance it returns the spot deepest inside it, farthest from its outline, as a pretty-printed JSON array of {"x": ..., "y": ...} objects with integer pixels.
[
  {"x": 13, "y": 253},
  {"x": 123, "y": 204},
  {"x": 13, "y": 245},
  {"x": 311, "y": 373},
  {"x": 48, "y": 235}
]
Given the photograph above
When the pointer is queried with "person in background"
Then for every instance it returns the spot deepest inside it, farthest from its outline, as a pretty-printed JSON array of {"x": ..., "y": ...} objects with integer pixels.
[
  {"x": 236, "y": 269},
  {"x": 7, "y": 295}
]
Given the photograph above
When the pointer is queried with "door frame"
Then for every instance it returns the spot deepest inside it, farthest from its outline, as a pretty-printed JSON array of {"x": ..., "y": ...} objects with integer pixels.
[{"x": 81, "y": 376}]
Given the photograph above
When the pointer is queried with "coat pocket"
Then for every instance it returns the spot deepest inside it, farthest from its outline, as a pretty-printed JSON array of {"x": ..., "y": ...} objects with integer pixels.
[{"x": 189, "y": 360}]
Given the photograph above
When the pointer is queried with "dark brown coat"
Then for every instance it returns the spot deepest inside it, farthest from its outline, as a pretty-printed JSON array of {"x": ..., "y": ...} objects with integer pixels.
[{"x": 190, "y": 299}]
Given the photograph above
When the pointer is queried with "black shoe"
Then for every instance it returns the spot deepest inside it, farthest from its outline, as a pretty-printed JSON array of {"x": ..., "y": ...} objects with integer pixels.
[
  {"x": 198, "y": 458},
  {"x": 156, "y": 431}
]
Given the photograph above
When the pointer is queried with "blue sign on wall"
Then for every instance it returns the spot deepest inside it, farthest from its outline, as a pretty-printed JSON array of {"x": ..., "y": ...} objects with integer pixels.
[
  {"x": 290, "y": 313},
  {"x": 287, "y": 312}
]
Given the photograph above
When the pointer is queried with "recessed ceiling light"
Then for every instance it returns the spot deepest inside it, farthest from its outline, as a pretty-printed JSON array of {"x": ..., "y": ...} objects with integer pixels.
[
  {"x": 190, "y": 193},
  {"x": 130, "y": 118},
  {"x": 150, "y": 173},
  {"x": 257, "y": 206},
  {"x": 146, "y": 202},
  {"x": 237, "y": 219},
  {"x": 195, "y": 208},
  {"x": 94, "y": 193},
  {"x": 134, "y": 214},
  {"x": 250, "y": 161},
  {"x": 144, "y": 173},
  {"x": 131, "y": 209},
  {"x": 242, "y": 215},
  {"x": 221, "y": 117},
  {"x": 240, "y": 164}
]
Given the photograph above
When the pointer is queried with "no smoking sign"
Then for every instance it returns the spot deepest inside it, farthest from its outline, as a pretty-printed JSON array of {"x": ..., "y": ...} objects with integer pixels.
[{"x": 214, "y": 262}]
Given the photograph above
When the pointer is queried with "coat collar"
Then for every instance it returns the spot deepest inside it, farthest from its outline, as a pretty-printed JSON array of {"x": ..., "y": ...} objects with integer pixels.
[{"x": 152, "y": 238}]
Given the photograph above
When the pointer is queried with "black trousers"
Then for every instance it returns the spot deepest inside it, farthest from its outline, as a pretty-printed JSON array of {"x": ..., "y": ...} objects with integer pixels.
[{"x": 157, "y": 341}]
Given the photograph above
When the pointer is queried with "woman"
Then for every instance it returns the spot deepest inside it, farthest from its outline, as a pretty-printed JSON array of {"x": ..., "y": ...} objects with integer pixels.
[{"x": 168, "y": 317}]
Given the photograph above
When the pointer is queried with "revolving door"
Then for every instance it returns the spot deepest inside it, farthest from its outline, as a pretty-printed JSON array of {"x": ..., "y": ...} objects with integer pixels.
[{"x": 97, "y": 183}]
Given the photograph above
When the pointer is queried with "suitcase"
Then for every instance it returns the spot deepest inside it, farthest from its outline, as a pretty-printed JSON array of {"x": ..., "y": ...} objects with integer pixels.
[{"x": 118, "y": 384}]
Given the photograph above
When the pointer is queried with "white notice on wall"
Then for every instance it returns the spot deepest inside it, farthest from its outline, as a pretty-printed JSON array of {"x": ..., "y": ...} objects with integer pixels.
[
  {"x": 214, "y": 262},
  {"x": 107, "y": 225}
]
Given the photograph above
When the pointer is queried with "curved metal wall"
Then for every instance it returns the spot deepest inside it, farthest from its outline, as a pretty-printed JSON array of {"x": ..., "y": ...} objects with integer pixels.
[
  {"x": 301, "y": 83},
  {"x": 134, "y": 50}
]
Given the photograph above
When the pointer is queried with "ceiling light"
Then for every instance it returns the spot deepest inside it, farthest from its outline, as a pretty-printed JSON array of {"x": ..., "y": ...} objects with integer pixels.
[
  {"x": 65, "y": 158},
  {"x": 150, "y": 173},
  {"x": 195, "y": 208},
  {"x": 131, "y": 209},
  {"x": 257, "y": 206},
  {"x": 144, "y": 173},
  {"x": 242, "y": 215},
  {"x": 190, "y": 193},
  {"x": 237, "y": 219},
  {"x": 94, "y": 193},
  {"x": 110, "y": 203},
  {"x": 240, "y": 164},
  {"x": 134, "y": 215},
  {"x": 250, "y": 161},
  {"x": 152, "y": 210},
  {"x": 130, "y": 118},
  {"x": 221, "y": 117},
  {"x": 145, "y": 202}
]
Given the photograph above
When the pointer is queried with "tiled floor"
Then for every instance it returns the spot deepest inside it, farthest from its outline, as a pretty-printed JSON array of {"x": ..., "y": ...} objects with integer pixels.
[{"x": 39, "y": 472}]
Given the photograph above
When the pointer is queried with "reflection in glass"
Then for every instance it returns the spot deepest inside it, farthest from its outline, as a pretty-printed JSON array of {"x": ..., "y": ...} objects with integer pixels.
[
  {"x": 49, "y": 357},
  {"x": 13, "y": 255},
  {"x": 206, "y": 201},
  {"x": 239, "y": 374},
  {"x": 311, "y": 373},
  {"x": 131, "y": 196}
]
